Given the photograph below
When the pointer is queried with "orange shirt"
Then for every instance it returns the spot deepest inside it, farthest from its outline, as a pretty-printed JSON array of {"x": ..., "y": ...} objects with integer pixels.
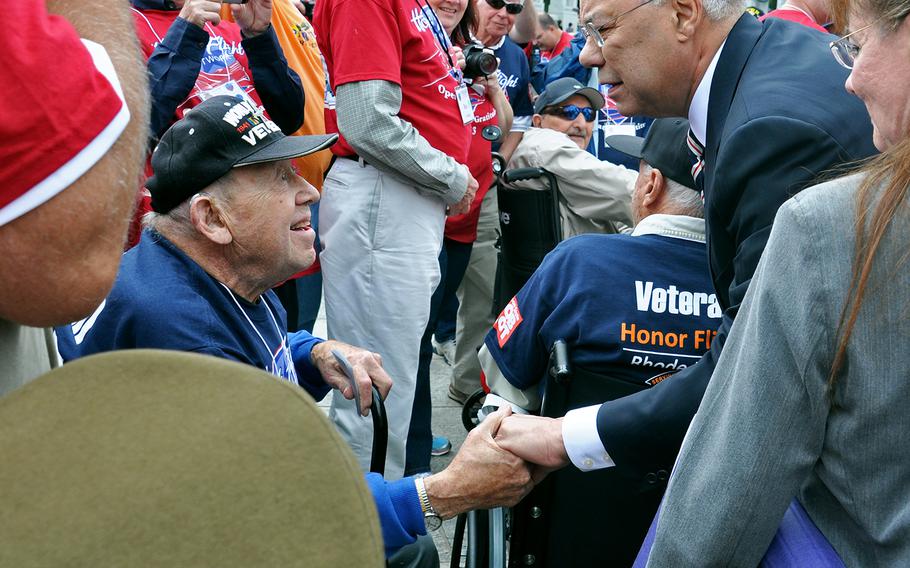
[{"x": 298, "y": 41}]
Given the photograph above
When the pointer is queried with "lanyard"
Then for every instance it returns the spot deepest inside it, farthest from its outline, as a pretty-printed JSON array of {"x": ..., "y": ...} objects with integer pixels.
[
  {"x": 441, "y": 38},
  {"x": 249, "y": 321}
]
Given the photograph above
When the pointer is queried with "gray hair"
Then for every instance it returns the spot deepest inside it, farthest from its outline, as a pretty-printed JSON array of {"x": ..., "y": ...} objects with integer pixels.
[
  {"x": 682, "y": 200},
  {"x": 178, "y": 218}
]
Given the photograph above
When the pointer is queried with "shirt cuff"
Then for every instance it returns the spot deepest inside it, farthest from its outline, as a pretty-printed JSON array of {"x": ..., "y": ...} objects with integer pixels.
[
  {"x": 583, "y": 444},
  {"x": 186, "y": 39},
  {"x": 263, "y": 48},
  {"x": 301, "y": 344}
]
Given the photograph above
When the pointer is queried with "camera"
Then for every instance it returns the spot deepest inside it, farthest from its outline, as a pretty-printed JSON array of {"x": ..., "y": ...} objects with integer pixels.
[{"x": 479, "y": 61}]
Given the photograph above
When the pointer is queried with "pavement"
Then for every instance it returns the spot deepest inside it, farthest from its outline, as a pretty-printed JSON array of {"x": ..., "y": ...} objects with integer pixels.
[{"x": 446, "y": 422}]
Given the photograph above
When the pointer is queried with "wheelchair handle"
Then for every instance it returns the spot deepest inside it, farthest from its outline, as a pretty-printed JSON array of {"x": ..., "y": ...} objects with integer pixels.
[
  {"x": 520, "y": 174},
  {"x": 380, "y": 433},
  {"x": 560, "y": 370}
]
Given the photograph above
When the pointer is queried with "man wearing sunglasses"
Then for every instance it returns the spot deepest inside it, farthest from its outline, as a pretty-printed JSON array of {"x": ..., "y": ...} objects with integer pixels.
[{"x": 596, "y": 195}]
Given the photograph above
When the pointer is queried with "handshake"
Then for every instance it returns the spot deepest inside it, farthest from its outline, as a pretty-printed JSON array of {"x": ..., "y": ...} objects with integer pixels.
[{"x": 499, "y": 463}]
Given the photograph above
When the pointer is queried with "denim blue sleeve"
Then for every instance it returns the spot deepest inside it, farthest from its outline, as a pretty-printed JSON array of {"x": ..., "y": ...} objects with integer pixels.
[
  {"x": 278, "y": 85},
  {"x": 173, "y": 68},
  {"x": 301, "y": 344},
  {"x": 399, "y": 509}
]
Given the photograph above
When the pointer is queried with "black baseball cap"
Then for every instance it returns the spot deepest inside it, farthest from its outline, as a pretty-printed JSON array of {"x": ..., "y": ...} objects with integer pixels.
[
  {"x": 664, "y": 148},
  {"x": 562, "y": 89},
  {"x": 219, "y": 134}
]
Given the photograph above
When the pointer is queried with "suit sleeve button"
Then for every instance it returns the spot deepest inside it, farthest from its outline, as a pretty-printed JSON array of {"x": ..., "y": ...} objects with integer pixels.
[{"x": 651, "y": 478}]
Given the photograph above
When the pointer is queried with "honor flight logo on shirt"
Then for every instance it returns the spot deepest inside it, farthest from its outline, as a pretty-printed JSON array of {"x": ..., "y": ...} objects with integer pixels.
[
  {"x": 507, "y": 322},
  {"x": 662, "y": 340}
]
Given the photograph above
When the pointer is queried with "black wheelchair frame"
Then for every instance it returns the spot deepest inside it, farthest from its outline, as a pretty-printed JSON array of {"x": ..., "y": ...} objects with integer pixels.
[{"x": 572, "y": 518}]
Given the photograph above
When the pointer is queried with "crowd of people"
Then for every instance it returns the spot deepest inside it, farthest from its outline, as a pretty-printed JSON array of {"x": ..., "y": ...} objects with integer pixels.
[{"x": 731, "y": 195}]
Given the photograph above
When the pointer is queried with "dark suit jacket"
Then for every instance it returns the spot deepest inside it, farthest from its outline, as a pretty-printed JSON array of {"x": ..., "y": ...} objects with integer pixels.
[{"x": 778, "y": 118}]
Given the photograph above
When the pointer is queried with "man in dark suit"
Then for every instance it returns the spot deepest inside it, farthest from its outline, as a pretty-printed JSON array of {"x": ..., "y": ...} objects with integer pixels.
[{"x": 770, "y": 116}]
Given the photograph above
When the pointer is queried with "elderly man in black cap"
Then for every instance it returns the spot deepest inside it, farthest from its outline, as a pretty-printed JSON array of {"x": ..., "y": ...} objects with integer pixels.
[
  {"x": 634, "y": 308},
  {"x": 595, "y": 194},
  {"x": 231, "y": 219}
]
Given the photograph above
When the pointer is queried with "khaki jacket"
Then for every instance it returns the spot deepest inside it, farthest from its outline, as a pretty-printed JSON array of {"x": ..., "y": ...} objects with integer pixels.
[{"x": 595, "y": 196}]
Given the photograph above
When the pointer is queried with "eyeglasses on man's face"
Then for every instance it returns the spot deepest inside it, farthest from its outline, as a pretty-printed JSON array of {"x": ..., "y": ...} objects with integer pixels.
[
  {"x": 598, "y": 34},
  {"x": 571, "y": 112},
  {"x": 511, "y": 7}
]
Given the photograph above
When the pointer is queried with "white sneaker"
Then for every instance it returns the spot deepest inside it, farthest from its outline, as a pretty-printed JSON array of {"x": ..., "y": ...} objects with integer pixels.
[{"x": 446, "y": 350}]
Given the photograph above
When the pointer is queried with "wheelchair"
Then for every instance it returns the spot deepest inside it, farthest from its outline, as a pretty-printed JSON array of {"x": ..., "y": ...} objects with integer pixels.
[
  {"x": 571, "y": 518},
  {"x": 529, "y": 229}
]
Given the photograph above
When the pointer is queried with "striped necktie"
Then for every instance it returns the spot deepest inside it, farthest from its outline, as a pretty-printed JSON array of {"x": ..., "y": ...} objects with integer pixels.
[{"x": 698, "y": 162}]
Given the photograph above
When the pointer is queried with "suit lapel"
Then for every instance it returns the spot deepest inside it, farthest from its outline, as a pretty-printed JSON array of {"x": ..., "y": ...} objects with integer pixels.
[{"x": 737, "y": 49}]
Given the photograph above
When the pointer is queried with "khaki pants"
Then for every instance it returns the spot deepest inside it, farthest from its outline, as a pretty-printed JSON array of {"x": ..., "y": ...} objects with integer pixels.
[
  {"x": 475, "y": 297},
  {"x": 381, "y": 241}
]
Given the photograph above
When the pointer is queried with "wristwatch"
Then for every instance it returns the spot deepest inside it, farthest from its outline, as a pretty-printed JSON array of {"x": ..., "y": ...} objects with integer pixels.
[{"x": 430, "y": 517}]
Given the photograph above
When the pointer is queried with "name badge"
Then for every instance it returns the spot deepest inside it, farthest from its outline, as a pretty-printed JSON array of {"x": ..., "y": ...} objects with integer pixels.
[{"x": 464, "y": 104}]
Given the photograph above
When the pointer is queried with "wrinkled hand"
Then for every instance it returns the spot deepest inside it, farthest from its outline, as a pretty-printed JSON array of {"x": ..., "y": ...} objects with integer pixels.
[
  {"x": 367, "y": 367},
  {"x": 457, "y": 56},
  {"x": 534, "y": 439},
  {"x": 198, "y": 12},
  {"x": 481, "y": 476},
  {"x": 465, "y": 204},
  {"x": 254, "y": 17}
]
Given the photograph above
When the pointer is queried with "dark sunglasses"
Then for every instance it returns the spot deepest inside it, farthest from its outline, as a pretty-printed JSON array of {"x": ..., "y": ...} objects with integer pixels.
[
  {"x": 511, "y": 7},
  {"x": 571, "y": 112}
]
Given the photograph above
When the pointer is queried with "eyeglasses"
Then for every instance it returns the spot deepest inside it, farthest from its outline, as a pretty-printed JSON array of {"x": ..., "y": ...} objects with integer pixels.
[
  {"x": 589, "y": 31},
  {"x": 511, "y": 7},
  {"x": 571, "y": 112},
  {"x": 846, "y": 52}
]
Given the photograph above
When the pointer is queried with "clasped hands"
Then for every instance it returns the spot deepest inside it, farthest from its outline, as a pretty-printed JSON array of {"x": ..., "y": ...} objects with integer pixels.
[{"x": 501, "y": 460}]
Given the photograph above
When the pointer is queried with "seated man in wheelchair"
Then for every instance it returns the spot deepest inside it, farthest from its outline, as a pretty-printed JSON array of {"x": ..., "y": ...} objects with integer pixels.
[
  {"x": 636, "y": 306},
  {"x": 594, "y": 196},
  {"x": 632, "y": 309}
]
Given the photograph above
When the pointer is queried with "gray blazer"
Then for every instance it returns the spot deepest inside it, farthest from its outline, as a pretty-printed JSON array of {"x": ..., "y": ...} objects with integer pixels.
[{"x": 765, "y": 431}]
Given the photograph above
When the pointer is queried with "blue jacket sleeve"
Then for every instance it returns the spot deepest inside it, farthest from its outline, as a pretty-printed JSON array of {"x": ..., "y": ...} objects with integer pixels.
[
  {"x": 173, "y": 68},
  {"x": 565, "y": 64},
  {"x": 301, "y": 344},
  {"x": 278, "y": 85},
  {"x": 399, "y": 509}
]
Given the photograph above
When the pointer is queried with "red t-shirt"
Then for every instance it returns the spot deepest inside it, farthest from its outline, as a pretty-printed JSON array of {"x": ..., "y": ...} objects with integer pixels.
[
  {"x": 392, "y": 40},
  {"x": 793, "y": 16},
  {"x": 62, "y": 114},
  {"x": 463, "y": 228}
]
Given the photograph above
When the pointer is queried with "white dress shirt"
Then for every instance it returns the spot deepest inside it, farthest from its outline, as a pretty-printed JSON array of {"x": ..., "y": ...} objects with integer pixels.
[{"x": 698, "y": 108}]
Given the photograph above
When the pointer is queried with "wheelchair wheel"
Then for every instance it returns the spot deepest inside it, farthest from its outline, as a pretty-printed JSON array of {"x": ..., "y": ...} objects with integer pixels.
[{"x": 471, "y": 408}]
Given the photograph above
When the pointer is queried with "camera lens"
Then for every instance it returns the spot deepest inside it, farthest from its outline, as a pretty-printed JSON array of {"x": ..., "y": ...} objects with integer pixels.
[{"x": 479, "y": 62}]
